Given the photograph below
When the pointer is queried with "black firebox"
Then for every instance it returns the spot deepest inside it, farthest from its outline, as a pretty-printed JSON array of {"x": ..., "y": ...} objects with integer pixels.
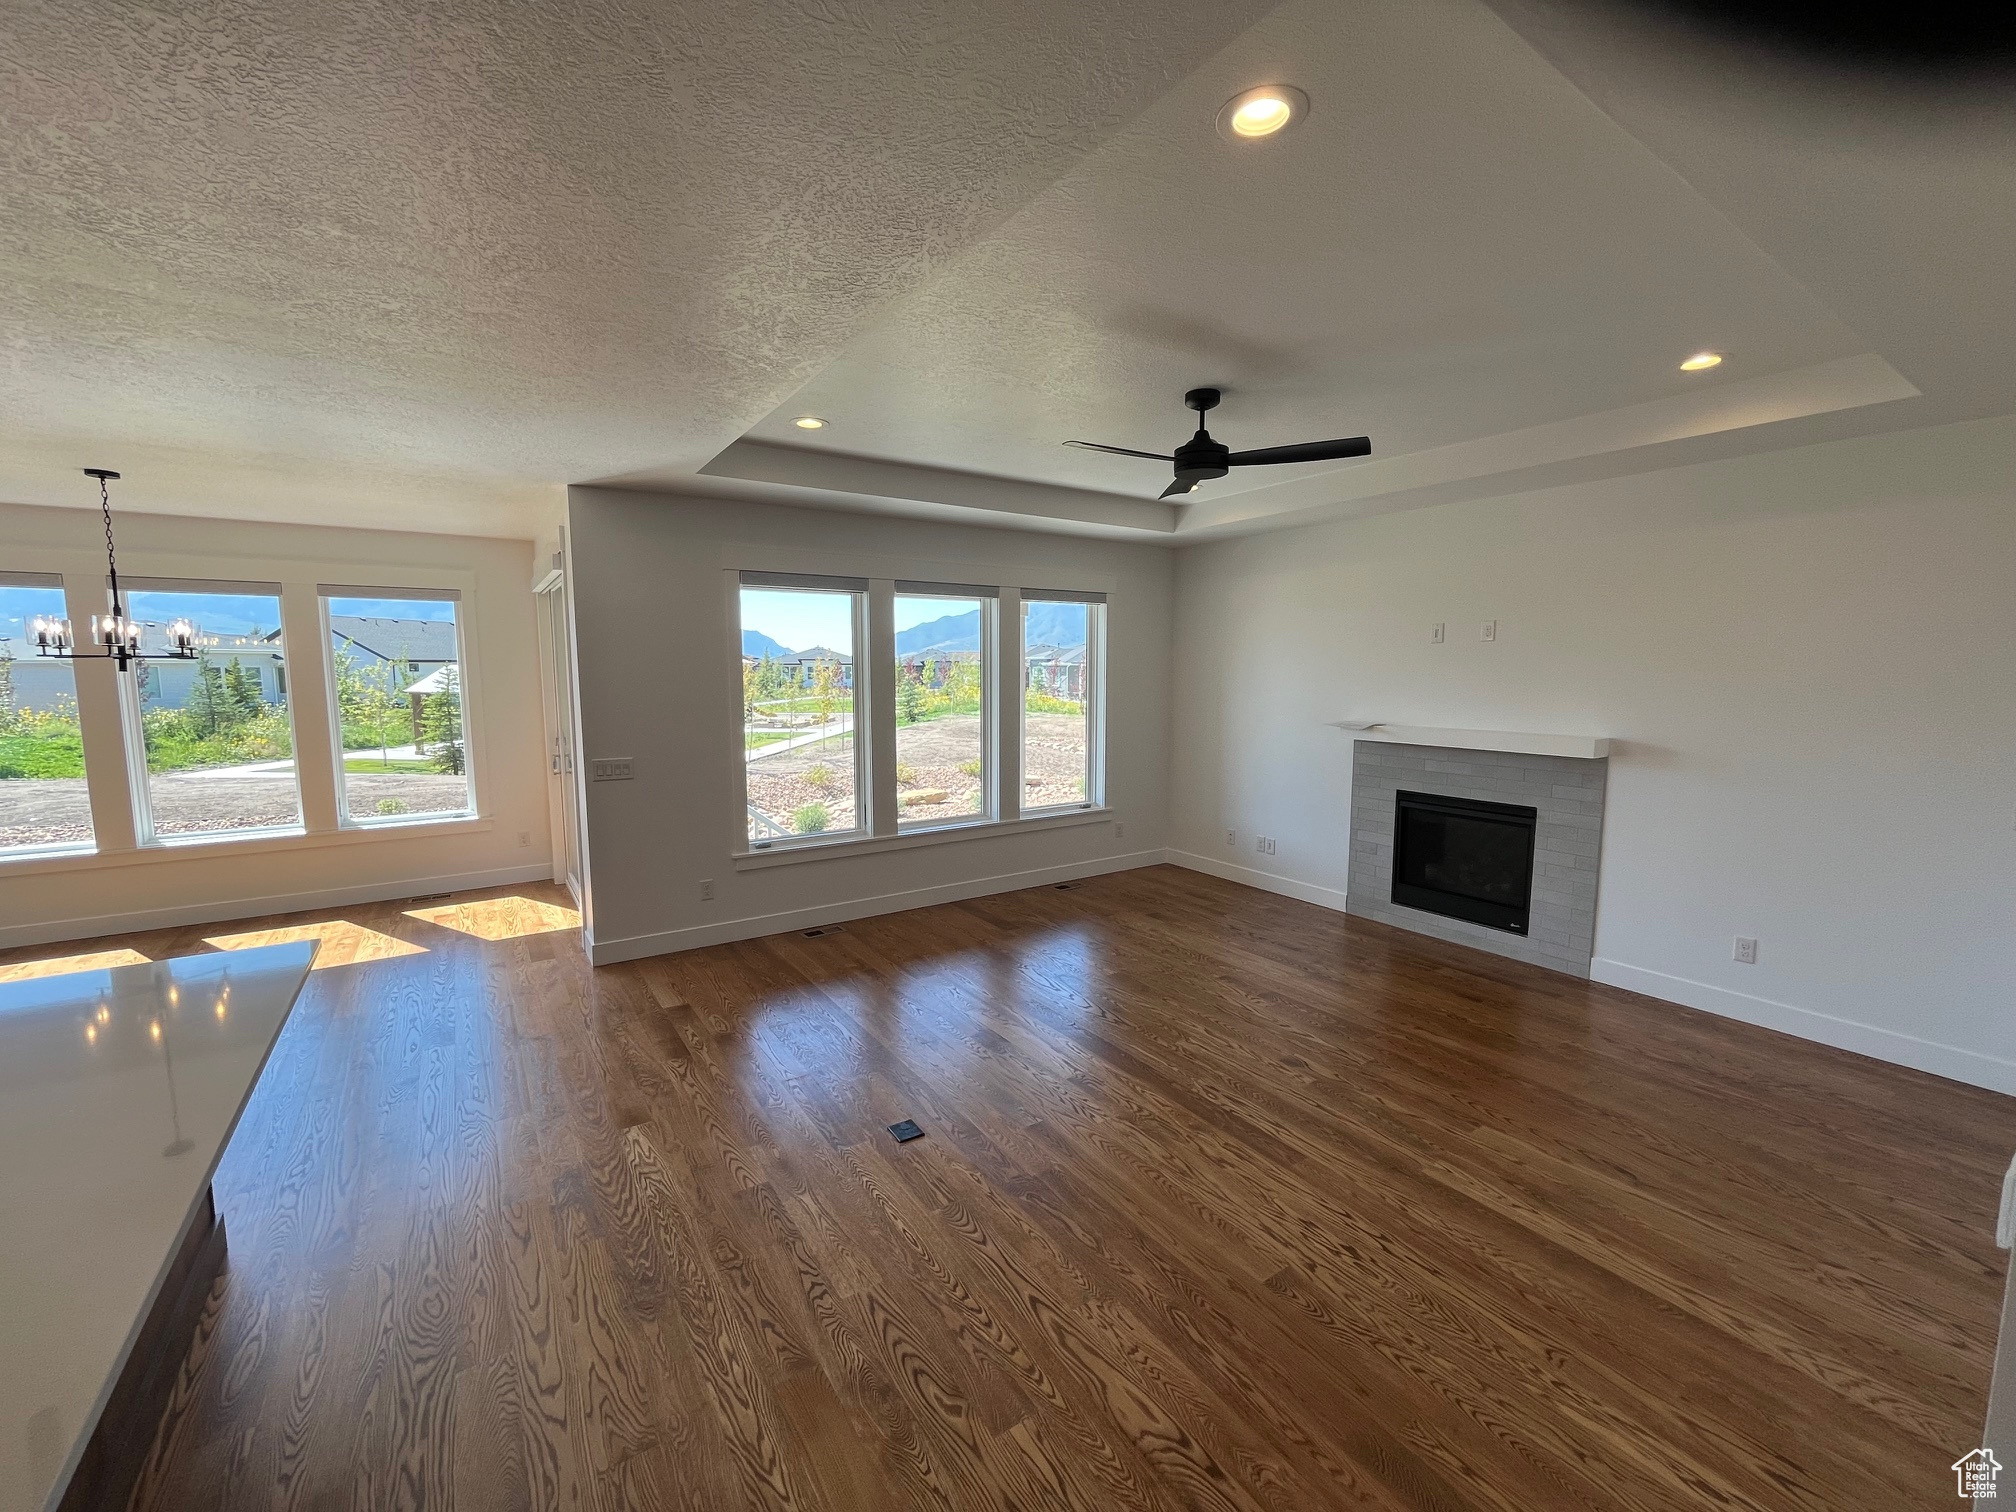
[{"x": 1464, "y": 859}]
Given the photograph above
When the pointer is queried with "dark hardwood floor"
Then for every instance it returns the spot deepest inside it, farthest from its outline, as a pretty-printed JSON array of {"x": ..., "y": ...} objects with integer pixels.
[{"x": 1224, "y": 1201}]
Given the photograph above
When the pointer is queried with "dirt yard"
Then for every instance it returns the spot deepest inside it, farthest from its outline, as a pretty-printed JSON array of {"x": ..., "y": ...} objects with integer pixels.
[
  {"x": 57, "y": 811},
  {"x": 931, "y": 757}
]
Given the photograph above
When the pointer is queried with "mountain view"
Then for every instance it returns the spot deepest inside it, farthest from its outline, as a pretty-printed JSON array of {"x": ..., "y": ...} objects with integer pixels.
[{"x": 1049, "y": 625}]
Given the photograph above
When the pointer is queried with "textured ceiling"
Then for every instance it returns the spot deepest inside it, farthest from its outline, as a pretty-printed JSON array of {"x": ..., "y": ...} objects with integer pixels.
[
  {"x": 429, "y": 263},
  {"x": 423, "y": 266}
]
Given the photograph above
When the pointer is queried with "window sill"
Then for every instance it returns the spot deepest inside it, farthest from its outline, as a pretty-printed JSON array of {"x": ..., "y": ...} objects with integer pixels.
[
  {"x": 937, "y": 835},
  {"x": 256, "y": 842}
]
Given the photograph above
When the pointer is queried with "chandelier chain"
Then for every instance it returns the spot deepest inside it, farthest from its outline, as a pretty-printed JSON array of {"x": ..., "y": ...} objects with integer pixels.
[{"x": 105, "y": 503}]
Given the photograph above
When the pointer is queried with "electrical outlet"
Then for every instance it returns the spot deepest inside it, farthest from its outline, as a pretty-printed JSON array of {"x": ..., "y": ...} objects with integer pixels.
[
  {"x": 1488, "y": 630},
  {"x": 1119, "y": 832},
  {"x": 610, "y": 769},
  {"x": 1438, "y": 632},
  {"x": 1263, "y": 845},
  {"x": 1231, "y": 837},
  {"x": 706, "y": 889},
  {"x": 1746, "y": 950},
  {"x": 524, "y": 838}
]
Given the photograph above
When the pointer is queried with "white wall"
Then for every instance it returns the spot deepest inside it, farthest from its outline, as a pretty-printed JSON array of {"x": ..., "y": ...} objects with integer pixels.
[
  {"x": 123, "y": 888},
  {"x": 1809, "y": 660},
  {"x": 657, "y": 651}
]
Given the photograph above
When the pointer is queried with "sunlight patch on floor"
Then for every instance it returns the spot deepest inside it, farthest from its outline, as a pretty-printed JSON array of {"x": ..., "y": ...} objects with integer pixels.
[
  {"x": 343, "y": 943},
  {"x": 499, "y": 918},
  {"x": 26, "y": 971}
]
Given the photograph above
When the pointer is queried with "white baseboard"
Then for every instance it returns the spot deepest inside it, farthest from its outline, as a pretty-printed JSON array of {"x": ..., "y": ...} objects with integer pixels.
[
  {"x": 223, "y": 910},
  {"x": 1969, "y": 1066},
  {"x": 1949, "y": 1061},
  {"x": 666, "y": 942},
  {"x": 1287, "y": 887}
]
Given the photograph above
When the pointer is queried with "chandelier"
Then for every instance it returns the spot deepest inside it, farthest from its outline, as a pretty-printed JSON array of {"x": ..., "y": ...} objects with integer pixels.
[{"x": 114, "y": 634}]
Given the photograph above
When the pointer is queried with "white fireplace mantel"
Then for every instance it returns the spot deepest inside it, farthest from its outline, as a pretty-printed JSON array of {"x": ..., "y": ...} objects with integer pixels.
[{"x": 1587, "y": 747}]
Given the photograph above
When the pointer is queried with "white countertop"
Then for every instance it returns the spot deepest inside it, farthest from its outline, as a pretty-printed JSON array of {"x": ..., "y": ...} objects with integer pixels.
[{"x": 109, "y": 1133}]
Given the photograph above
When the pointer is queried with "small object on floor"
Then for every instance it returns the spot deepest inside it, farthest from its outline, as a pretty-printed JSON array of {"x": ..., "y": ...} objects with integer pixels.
[{"x": 906, "y": 1131}]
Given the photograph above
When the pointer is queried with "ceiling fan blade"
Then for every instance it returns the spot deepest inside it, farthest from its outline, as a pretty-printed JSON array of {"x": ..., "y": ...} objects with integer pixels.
[
  {"x": 1184, "y": 483},
  {"x": 1122, "y": 451},
  {"x": 1304, "y": 451}
]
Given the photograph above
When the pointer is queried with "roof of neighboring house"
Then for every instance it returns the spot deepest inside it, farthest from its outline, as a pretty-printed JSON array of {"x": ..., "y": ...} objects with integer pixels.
[
  {"x": 440, "y": 680},
  {"x": 221, "y": 647},
  {"x": 389, "y": 639},
  {"x": 818, "y": 654}
]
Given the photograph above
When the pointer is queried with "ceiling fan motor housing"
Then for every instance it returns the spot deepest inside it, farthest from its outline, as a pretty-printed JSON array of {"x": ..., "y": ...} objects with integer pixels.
[{"x": 1203, "y": 456}]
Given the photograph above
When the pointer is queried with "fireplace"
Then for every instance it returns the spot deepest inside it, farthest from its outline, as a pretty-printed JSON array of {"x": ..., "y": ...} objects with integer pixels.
[{"x": 1464, "y": 858}]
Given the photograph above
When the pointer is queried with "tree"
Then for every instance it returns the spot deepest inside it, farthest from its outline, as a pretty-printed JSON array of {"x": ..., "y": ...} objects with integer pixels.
[
  {"x": 910, "y": 696},
  {"x": 243, "y": 699},
  {"x": 441, "y": 725},
  {"x": 770, "y": 678},
  {"x": 205, "y": 708},
  {"x": 6, "y": 686},
  {"x": 826, "y": 687}
]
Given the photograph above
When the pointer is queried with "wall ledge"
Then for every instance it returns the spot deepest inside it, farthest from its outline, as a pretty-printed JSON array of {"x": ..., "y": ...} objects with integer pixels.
[{"x": 1582, "y": 747}]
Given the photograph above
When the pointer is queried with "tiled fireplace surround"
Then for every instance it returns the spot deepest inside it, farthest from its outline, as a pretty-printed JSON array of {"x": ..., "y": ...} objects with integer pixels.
[{"x": 1568, "y": 844}]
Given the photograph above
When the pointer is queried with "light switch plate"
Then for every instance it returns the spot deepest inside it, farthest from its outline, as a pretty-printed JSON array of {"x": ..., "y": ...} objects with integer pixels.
[{"x": 610, "y": 769}]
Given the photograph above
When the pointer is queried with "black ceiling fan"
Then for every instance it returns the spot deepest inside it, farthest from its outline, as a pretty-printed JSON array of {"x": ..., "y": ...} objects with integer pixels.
[{"x": 1200, "y": 458}]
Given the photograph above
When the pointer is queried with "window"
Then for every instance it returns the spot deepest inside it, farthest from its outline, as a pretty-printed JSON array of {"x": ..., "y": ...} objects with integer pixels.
[
  {"x": 218, "y": 738},
  {"x": 800, "y": 707},
  {"x": 43, "y": 800},
  {"x": 1059, "y": 693},
  {"x": 395, "y": 676},
  {"x": 942, "y": 647}
]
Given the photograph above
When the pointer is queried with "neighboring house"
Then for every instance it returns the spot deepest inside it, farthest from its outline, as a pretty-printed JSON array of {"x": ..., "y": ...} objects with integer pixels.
[
  {"x": 426, "y": 645},
  {"x": 803, "y": 666},
  {"x": 1062, "y": 669},
  {"x": 38, "y": 683},
  {"x": 165, "y": 683}
]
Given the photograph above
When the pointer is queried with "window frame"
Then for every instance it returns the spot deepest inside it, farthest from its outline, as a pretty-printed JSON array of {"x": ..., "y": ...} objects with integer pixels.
[
  {"x": 472, "y": 806},
  {"x": 862, "y": 684},
  {"x": 55, "y": 581},
  {"x": 881, "y": 826},
  {"x": 1095, "y": 693},
  {"x": 989, "y": 599},
  {"x": 134, "y": 735}
]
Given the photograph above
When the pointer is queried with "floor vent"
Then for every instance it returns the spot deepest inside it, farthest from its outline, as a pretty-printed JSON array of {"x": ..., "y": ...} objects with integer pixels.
[
  {"x": 430, "y": 897},
  {"x": 823, "y": 929},
  {"x": 905, "y": 1131},
  {"x": 1064, "y": 886}
]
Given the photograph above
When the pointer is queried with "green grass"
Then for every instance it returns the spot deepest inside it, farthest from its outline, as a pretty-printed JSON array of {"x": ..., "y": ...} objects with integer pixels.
[
  {"x": 59, "y": 753},
  {"x": 391, "y": 764},
  {"x": 756, "y": 739}
]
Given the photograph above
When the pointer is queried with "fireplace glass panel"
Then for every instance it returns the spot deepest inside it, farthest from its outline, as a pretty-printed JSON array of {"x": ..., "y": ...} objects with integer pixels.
[{"x": 1464, "y": 859}]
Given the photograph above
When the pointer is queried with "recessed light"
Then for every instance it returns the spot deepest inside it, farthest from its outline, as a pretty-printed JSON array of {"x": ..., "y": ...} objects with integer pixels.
[
  {"x": 1700, "y": 362},
  {"x": 813, "y": 422},
  {"x": 1262, "y": 112}
]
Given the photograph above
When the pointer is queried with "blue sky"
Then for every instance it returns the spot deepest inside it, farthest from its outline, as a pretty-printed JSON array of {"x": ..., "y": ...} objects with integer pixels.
[
  {"x": 20, "y": 605},
  {"x": 409, "y": 609},
  {"x": 801, "y": 620},
  {"x": 212, "y": 613},
  {"x": 217, "y": 613},
  {"x": 918, "y": 611}
]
